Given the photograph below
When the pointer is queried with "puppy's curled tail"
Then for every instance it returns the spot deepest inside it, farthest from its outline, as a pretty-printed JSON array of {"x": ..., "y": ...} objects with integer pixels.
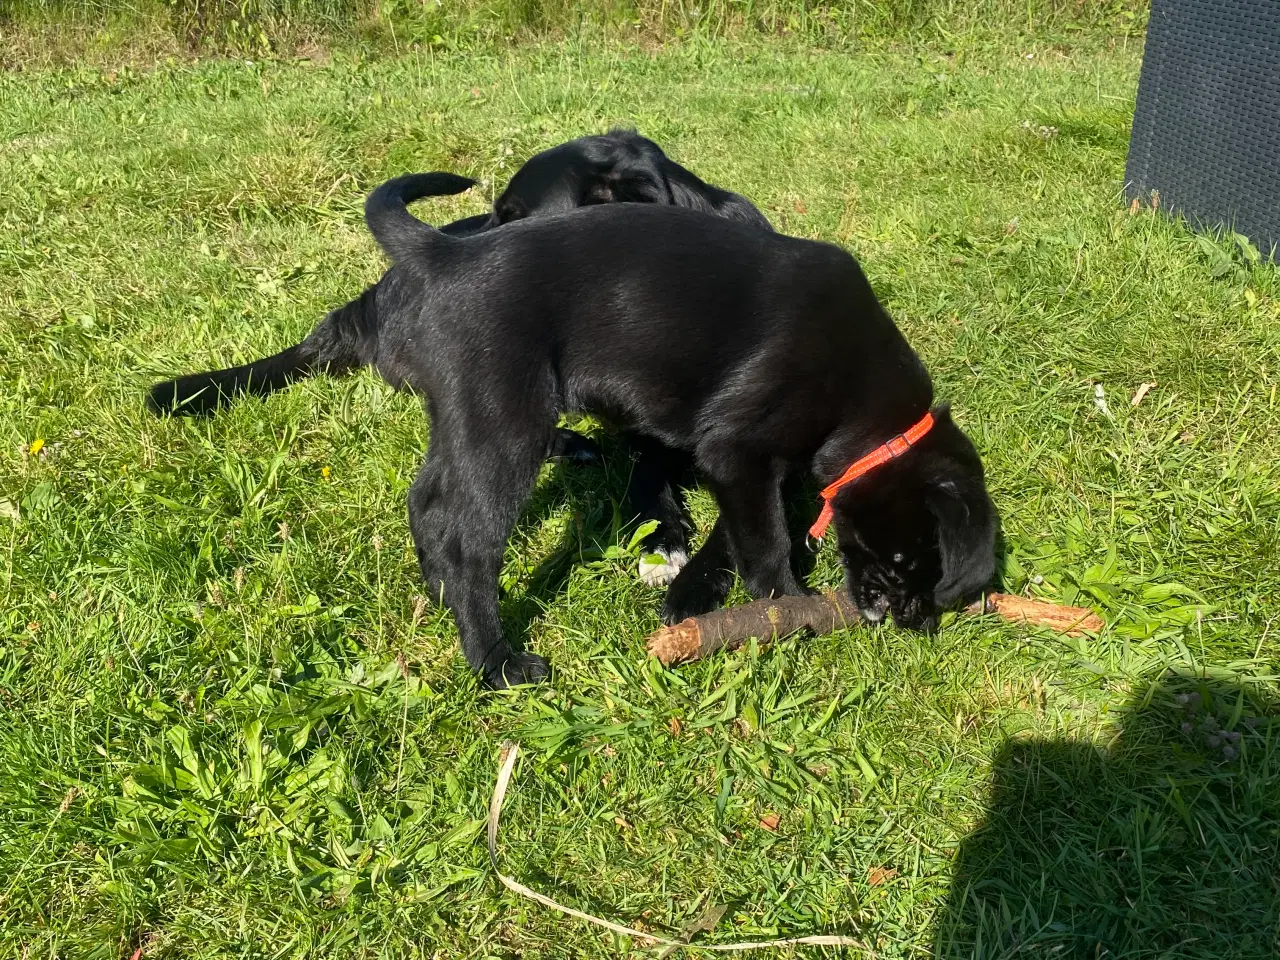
[{"x": 397, "y": 231}]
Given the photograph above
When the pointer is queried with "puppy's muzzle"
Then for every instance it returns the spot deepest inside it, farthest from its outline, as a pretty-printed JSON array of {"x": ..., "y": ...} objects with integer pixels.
[{"x": 875, "y": 611}]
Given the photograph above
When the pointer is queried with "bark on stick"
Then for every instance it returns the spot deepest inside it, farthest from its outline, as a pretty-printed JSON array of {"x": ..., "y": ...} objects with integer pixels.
[{"x": 823, "y": 613}]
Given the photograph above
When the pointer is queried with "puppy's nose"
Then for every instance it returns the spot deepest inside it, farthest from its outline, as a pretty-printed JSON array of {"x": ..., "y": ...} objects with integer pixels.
[{"x": 876, "y": 611}]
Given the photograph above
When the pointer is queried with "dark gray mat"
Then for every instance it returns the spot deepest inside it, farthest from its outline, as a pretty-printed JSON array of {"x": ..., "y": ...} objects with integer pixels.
[{"x": 1206, "y": 130}]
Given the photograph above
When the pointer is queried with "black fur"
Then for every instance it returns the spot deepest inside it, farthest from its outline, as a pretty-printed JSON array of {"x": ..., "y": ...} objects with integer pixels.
[
  {"x": 913, "y": 528},
  {"x": 620, "y": 166},
  {"x": 343, "y": 341},
  {"x": 751, "y": 352}
]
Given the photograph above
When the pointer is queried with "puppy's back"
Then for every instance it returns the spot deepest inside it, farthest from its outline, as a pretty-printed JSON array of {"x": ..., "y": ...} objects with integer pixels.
[{"x": 681, "y": 314}]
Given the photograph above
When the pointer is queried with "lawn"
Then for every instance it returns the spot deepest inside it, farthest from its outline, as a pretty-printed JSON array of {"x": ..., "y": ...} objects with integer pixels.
[{"x": 233, "y": 728}]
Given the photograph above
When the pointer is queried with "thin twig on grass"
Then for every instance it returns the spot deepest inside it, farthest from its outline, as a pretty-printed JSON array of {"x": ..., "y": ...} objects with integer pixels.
[{"x": 510, "y": 753}]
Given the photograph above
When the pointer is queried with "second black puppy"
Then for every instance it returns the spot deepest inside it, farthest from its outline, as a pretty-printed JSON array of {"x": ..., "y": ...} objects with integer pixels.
[{"x": 751, "y": 351}]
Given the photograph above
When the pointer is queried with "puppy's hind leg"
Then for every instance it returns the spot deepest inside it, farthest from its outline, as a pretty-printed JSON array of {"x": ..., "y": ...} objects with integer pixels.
[{"x": 462, "y": 509}]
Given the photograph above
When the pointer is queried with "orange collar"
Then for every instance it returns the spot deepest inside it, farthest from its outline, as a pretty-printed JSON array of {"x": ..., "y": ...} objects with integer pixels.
[{"x": 881, "y": 454}]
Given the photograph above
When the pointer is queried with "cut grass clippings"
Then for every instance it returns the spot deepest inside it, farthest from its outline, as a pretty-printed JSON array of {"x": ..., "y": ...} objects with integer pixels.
[{"x": 233, "y": 727}]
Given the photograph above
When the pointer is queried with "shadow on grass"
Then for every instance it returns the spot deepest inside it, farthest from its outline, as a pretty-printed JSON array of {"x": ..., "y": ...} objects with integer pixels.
[
  {"x": 1164, "y": 844},
  {"x": 593, "y": 492}
]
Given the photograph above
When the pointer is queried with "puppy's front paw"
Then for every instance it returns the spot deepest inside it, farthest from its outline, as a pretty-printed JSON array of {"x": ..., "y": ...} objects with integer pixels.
[
  {"x": 691, "y": 594},
  {"x": 519, "y": 668},
  {"x": 659, "y": 568}
]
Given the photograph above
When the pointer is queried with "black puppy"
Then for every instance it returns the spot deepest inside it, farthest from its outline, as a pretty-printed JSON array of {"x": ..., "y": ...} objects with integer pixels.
[
  {"x": 750, "y": 351},
  {"x": 618, "y": 167}
]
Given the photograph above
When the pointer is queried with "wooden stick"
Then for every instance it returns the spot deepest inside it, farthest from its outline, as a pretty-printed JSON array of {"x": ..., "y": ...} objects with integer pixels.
[
  {"x": 730, "y": 627},
  {"x": 1072, "y": 621}
]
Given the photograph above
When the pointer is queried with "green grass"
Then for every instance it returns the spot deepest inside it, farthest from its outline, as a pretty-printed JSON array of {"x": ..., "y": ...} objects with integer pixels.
[
  {"x": 231, "y": 729},
  {"x": 73, "y": 28}
]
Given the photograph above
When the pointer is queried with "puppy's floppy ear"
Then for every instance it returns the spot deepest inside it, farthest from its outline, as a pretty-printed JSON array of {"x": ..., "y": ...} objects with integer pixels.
[
  {"x": 688, "y": 191},
  {"x": 966, "y": 540},
  {"x": 966, "y": 520}
]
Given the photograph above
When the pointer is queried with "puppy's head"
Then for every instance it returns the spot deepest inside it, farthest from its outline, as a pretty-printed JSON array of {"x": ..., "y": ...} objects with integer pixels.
[
  {"x": 618, "y": 167},
  {"x": 918, "y": 533}
]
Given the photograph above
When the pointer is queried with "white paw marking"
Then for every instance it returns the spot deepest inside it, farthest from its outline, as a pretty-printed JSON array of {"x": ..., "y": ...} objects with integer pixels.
[{"x": 656, "y": 572}]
